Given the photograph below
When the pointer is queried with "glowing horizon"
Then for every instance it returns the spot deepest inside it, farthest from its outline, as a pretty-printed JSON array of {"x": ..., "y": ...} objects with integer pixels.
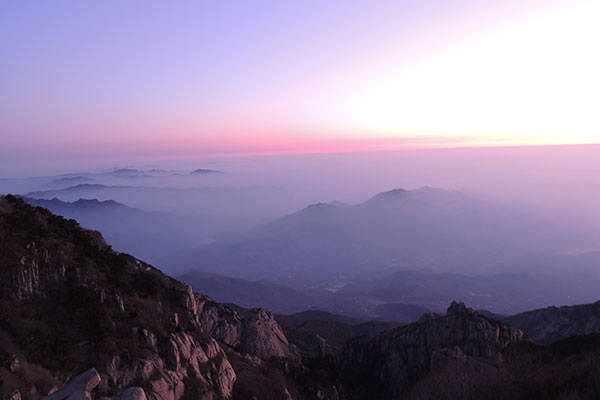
[{"x": 271, "y": 78}]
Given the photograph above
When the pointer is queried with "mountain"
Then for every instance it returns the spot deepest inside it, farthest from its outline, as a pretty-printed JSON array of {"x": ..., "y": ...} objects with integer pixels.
[
  {"x": 321, "y": 334},
  {"x": 399, "y": 312},
  {"x": 150, "y": 235},
  {"x": 550, "y": 324},
  {"x": 424, "y": 229},
  {"x": 68, "y": 181},
  {"x": 465, "y": 355},
  {"x": 69, "y": 302},
  {"x": 201, "y": 171},
  {"x": 233, "y": 209}
]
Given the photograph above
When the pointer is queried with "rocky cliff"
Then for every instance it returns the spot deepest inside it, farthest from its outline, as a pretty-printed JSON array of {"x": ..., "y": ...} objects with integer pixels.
[
  {"x": 553, "y": 323},
  {"x": 392, "y": 362},
  {"x": 69, "y": 302}
]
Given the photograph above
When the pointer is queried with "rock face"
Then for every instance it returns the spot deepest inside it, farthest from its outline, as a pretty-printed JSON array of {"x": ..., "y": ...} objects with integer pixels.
[
  {"x": 80, "y": 389},
  {"x": 553, "y": 323},
  {"x": 255, "y": 332},
  {"x": 69, "y": 301},
  {"x": 392, "y": 362}
]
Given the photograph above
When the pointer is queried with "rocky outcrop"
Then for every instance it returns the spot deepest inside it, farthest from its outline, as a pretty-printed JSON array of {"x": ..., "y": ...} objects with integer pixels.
[
  {"x": 392, "y": 362},
  {"x": 69, "y": 300},
  {"x": 255, "y": 332},
  {"x": 553, "y": 323},
  {"x": 79, "y": 388}
]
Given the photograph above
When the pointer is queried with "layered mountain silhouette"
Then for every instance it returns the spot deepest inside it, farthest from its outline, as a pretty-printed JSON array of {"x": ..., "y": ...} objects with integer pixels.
[
  {"x": 150, "y": 235},
  {"x": 431, "y": 229}
]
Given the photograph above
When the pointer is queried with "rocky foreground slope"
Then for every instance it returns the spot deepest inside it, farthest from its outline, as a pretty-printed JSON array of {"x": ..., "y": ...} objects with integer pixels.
[{"x": 68, "y": 303}]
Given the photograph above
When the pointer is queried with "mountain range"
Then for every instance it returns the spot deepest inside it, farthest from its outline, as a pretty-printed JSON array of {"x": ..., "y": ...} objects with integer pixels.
[
  {"x": 70, "y": 303},
  {"x": 425, "y": 229}
]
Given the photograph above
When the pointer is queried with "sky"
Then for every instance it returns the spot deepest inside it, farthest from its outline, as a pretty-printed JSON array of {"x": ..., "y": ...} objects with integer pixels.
[{"x": 130, "y": 79}]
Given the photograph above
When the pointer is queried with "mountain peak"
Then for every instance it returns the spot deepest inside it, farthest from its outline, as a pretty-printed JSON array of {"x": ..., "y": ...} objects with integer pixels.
[
  {"x": 457, "y": 308},
  {"x": 392, "y": 193},
  {"x": 203, "y": 171}
]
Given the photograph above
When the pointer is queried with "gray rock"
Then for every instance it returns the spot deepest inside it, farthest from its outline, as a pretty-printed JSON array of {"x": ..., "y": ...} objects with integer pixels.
[{"x": 78, "y": 388}]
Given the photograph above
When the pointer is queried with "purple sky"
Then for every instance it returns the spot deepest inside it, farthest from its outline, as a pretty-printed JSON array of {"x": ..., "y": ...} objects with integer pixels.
[{"x": 125, "y": 79}]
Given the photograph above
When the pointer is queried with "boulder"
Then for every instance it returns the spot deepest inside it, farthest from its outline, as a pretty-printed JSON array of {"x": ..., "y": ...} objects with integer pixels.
[{"x": 78, "y": 388}]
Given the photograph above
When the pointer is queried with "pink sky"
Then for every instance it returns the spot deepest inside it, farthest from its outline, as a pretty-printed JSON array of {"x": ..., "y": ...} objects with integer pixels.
[{"x": 113, "y": 80}]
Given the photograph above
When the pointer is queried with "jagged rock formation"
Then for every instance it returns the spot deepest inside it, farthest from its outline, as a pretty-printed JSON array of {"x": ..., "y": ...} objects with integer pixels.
[
  {"x": 553, "y": 323},
  {"x": 80, "y": 388},
  {"x": 69, "y": 301},
  {"x": 387, "y": 365},
  {"x": 255, "y": 332}
]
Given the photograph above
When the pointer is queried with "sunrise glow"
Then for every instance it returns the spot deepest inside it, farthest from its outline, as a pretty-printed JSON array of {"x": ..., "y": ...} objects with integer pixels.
[{"x": 275, "y": 78}]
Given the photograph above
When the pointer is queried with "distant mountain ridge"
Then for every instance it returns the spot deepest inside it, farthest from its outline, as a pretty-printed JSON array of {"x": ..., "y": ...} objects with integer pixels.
[
  {"x": 148, "y": 234},
  {"x": 427, "y": 228},
  {"x": 550, "y": 324}
]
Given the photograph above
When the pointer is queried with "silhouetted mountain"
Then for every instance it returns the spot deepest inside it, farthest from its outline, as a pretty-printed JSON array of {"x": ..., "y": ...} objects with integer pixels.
[
  {"x": 465, "y": 355},
  {"x": 429, "y": 229},
  {"x": 69, "y": 181},
  {"x": 235, "y": 208},
  {"x": 201, "y": 171},
  {"x": 321, "y": 334},
  {"x": 550, "y": 324},
  {"x": 76, "y": 190},
  {"x": 125, "y": 171},
  {"x": 150, "y": 235},
  {"x": 399, "y": 312}
]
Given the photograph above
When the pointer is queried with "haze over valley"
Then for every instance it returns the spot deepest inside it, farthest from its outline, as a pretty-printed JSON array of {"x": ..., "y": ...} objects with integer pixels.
[{"x": 314, "y": 237}]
